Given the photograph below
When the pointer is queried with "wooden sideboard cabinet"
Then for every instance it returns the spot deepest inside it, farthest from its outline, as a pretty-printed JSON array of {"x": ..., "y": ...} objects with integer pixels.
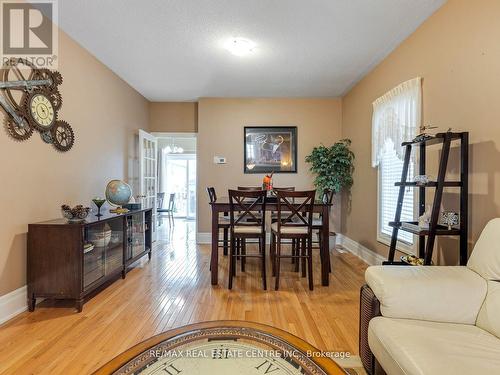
[{"x": 76, "y": 260}]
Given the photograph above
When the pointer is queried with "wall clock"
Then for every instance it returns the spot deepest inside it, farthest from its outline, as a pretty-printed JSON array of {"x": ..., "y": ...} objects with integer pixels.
[
  {"x": 223, "y": 347},
  {"x": 31, "y": 99}
]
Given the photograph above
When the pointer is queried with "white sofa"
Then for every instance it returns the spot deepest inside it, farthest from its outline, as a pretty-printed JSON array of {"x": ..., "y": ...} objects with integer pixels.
[{"x": 440, "y": 320}]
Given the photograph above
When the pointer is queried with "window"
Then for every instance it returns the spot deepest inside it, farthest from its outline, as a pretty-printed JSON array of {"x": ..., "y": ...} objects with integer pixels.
[
  {"x": 389, "y": 172},
  {"x": 396, "y": 118}
]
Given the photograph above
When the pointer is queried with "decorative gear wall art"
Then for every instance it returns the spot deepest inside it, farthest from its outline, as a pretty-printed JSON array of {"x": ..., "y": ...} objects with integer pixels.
[{"x": 31, "y": 99}]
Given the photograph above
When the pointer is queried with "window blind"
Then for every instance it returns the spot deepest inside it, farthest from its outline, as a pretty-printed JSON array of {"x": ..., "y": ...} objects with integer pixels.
[{"x": 390, "y": 169}]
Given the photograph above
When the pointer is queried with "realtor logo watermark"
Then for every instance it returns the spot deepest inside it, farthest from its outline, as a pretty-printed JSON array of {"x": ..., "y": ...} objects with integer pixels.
[{"x": 29, "y": 31}]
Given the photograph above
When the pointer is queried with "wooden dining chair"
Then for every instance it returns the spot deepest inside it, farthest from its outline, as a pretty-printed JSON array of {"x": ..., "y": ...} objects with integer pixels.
[
  {"x": 317, "y": 225},
  {"x": 249, "y": 188},
  {"x": 160, "y": 197},
  {"x": 169, "y": 211},
  {"x": 274, "y": 218},
  {"x": 294, "y": 222},
  {"x": 246, "y": 223},
  {"x": 223, "y": 223}
]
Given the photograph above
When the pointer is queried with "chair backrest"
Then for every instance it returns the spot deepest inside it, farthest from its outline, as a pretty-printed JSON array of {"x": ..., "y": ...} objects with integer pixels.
[
  {"x": 327, "y": 196},
  {"x": 160, "y": 197},
  {"x": 171, "y": 202},
  {"x": 248, "y": 204},
  {"x": 249, "y": 188},
  {"x": 295, "y": 208},
  {"x": 290, "y": 188},
  {"x": 212, "y": 196}
]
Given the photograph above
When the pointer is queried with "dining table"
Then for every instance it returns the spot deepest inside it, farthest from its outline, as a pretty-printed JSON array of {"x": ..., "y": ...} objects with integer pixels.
[{"x": 222, "y": 205}]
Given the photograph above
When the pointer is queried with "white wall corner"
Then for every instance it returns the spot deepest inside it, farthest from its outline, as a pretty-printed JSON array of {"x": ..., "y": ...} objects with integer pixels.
[
  {"x": 368, "y": 256},
  {"x": 13, "y": 303}
]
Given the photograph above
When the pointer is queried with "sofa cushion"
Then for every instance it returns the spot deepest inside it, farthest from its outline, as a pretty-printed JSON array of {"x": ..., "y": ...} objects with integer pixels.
[
  {"x": 404, "y": 346},
  {"x": 489, "y": 315},
  {"x": 441, "y": 294},
  {"x": 485, "y": 258}
]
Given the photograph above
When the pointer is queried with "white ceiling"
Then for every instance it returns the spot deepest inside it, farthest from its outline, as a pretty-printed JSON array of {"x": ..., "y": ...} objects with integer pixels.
[{"x": 171, "y": 50}]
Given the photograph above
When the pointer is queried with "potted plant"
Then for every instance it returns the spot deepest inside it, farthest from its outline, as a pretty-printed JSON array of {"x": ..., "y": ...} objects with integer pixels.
[{"x": 333, "y": 166}]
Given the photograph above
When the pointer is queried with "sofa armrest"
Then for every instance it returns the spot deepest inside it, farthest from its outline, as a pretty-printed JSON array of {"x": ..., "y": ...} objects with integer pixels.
[{"x": 440, "y": 294}]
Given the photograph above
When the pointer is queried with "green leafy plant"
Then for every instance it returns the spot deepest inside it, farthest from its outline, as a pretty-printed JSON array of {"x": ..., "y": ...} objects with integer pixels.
[{"x": 333, "y": 166}]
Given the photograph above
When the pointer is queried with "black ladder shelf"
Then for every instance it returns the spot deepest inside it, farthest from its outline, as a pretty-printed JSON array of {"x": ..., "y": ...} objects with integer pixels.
[{"x": 425, "y": 248}]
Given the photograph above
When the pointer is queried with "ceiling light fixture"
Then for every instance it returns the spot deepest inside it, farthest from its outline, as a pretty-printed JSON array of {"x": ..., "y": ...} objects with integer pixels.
[{"x": 240, "y": 46}]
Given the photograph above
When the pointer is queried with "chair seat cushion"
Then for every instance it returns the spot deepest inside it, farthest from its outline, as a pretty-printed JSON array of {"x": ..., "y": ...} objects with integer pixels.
[
  {"x": 248, "y": 229},
  {"x": 404, "y": 346},
  {"x": 289, "y": 229}
]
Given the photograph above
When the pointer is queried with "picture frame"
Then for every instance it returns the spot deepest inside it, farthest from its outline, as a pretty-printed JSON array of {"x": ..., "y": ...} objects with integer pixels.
[{"x": 270, "y": 149}]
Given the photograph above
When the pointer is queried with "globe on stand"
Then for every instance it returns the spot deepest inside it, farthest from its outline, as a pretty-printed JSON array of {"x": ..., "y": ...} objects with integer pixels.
[{"x": 118, "y": 193}]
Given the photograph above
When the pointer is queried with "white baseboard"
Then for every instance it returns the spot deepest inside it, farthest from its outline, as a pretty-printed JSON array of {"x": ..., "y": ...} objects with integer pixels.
[
  {"x": 362, "y": 252},
  {"x": 13, "y": 303},
  {"x": 203, "y": 238}
]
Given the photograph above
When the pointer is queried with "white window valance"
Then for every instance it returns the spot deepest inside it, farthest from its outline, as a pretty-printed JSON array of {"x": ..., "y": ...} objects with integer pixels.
[{"x": 396, "y": 117}]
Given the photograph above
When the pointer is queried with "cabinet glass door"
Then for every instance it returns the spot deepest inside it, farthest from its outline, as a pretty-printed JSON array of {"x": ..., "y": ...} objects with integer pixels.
[
  {"x": 94, "y": 240},
  {"x": 114, "y": 248},
  {"x": 135, "y": 235}
]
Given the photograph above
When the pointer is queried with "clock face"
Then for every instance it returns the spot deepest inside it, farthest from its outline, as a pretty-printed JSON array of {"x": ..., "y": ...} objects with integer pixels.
[
  {"x": 222, "y": 357},
  {"x": 222, "y": 347},
  {"x": 42, "y": 111}
]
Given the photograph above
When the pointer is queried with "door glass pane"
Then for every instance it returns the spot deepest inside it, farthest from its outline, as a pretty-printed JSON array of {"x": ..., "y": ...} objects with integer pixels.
[
  {"x": 114, "y": 249},
  {"x": 94, "y": 238},
  {"x": 136, "y": 235}
]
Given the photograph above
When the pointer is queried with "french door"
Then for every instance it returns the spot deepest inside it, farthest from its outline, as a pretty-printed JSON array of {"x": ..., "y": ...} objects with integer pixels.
[{"x": 148, "y": 185}]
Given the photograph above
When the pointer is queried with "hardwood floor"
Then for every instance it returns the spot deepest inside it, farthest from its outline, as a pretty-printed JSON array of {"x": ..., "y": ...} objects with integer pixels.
[{"x": 171, "y": 290}]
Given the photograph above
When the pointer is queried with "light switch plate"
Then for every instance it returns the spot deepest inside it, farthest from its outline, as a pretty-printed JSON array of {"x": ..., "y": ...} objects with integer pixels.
[{"x": 219, "y": 160}]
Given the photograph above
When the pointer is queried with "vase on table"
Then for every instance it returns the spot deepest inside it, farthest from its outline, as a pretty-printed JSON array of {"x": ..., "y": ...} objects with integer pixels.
[{"x": 98, "y": 202}]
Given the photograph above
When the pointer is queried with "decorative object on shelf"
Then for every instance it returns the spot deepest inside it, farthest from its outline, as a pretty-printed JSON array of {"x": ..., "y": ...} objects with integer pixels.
[
  {"x": 132, "y": 206},
  {"x": 421, "y": 180},
  {"x": 75, "y": 214},
  {"x": 100, "y": 239},
  {"x": 98, "y": 202},
  {"x": 267, "y": 181},
  {"x": 423, "y": 134},
  {"x": 31, "y": 99},
  {"x": 412, "y": 260},
  {"x": 270, "y": 148},
  {"x": 88, "y": 247},
  {"x": 333, "y": 166},
  {"x": 425, "y": 218},
  {"x": 118, "y": 194},
  {"x": 450, "y": 218}
]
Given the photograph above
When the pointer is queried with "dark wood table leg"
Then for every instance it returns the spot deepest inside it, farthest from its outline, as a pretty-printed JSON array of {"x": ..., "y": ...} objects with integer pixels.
[
  {"x": 215, "y": 246},
  {"x": 325, "y": 246}
]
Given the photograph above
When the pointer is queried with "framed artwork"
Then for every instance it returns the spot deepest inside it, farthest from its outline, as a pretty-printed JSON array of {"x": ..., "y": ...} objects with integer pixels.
[{"x": 270, "y": 149}]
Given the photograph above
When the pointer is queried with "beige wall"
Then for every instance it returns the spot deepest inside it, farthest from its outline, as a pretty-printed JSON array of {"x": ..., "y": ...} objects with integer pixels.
[
  {"x": 173, "y": 117},
  {"x": 36, "y": 179},
  {"x": 220, "y": 132},
  {"x": 457, "y": 52}
]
